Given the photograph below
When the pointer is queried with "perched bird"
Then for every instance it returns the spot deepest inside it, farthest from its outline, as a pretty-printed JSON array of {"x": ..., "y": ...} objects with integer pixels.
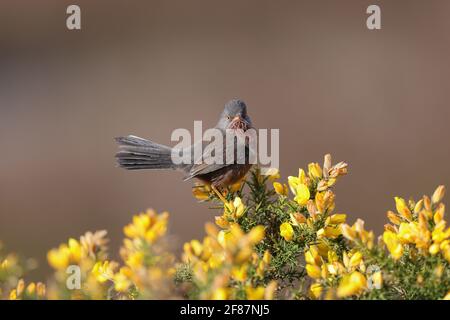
[{"x": 137, "y": 153}]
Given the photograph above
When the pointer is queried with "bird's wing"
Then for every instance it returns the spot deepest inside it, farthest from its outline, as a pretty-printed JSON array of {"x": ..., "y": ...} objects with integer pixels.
[
  {"x": 202, "y": 168},
  {"x": 207, "y": 165}
]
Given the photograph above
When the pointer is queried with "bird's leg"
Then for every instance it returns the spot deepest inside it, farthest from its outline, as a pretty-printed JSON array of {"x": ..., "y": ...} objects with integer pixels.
[{"x": 221, "y": 197}]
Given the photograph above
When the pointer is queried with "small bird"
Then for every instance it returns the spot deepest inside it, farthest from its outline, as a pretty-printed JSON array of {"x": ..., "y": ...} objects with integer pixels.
[{"x": 136, "y": 153}]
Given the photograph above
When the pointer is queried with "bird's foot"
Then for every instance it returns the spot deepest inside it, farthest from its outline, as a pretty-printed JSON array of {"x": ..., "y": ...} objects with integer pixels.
[{"x": 219, "y": 195}]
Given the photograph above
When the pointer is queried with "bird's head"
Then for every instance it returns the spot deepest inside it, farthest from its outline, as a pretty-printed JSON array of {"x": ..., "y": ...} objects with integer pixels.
[{"x": 234, "y": 116}]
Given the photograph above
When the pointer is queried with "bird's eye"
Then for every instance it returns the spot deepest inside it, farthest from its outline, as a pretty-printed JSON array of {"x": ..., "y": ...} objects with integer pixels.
[{"x": 229, "y": 117}]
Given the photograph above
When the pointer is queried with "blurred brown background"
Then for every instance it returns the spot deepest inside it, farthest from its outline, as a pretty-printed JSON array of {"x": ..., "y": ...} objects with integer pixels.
[{"x": 377, "y": 99}]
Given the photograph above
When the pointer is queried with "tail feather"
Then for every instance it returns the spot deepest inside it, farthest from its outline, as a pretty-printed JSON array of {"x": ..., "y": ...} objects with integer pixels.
[{"x": 137, "y": 153}]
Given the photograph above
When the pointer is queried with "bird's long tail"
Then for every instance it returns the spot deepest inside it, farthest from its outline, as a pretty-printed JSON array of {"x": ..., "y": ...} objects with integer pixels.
[{"x": 137, "y": 153}]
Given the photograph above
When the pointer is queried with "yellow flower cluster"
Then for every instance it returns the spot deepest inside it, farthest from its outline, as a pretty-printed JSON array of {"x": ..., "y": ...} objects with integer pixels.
[
  {"x": 315, "y": 199},
  {"x": 233, "y": 210},
  {"x": 416, "y": 229},
  {"x": 12, "y": 269},
  {"x": 83, "y": 254},
  {"x": 348, "y": 271},
  {"x": 148, "y": 265},
  {"x": 147, "y": 226},
  {"x": 225, "y": 263},
  {"x": 419, "y": 224},
  {"x": 317, "y": 178},
  {"x": 316, "y": 203},
  {"x": 267, "y": 244},
  {"x": 203, "y": 192},
  {"x": 328, "y": 269},
  {"x": 32, "y": 291},
  {"x": 357, "y": 233}
]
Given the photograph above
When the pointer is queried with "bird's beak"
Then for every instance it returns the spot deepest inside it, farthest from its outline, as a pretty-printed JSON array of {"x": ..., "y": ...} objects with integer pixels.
[
  {"x": 239, "y": 123},
  {"x": 238, "y": 118}
]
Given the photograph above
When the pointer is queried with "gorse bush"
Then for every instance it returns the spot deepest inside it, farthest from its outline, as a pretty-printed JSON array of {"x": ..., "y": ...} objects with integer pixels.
[{"x": 272, "y": 240}]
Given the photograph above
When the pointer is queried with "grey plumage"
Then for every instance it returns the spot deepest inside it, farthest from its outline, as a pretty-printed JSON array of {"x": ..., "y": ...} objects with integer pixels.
[{"x": 137, "y": 153}]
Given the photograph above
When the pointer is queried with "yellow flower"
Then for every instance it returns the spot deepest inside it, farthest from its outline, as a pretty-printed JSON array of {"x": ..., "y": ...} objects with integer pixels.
[
  {"x": 351, "y": 284},
  {"x": 159, "y": 229},
  {"x": 286, "y": 231},
  {"x": 325, "y": 201},
  {"x": 222, "y": 237},
  {"x": 220, "y": 294},
  {"x": 59, "y": 258},
  {"x": 256, "y": 234},
  {"x": 445, "y": 245},
  {"x": 234, "y": 208},
  {"x": 434, "y": 249},
  {"x": 447, "y": 296},
  {"x": 281, "y": 189},
  {"x": 13, "y": 295},
  {"x": 222, "y": 222},
  {"x": 139, "y": 226},
  {"x": 4, "y": 264},
  {"x": 297, "y": 218},
  {"x": 314, "y": 171},
  {"x": 402, "y": 208},
  {"x": 273, "y": 173},
  {"x": 315, "y": 290},
  {"x": 302, "y": 194},
  {"x": 313, "y": 271},
  {"x": 446, "y": 253},
  {"x": 293, "y": 182},
  {"x": 312, "y": 255},
  {"x": 329, "y": 232},
  {"x": 196, "y": 247},
  {"x": 337, "y": 218},
  {"x": 439, "y": 270},
  {"x": 394, "y": 218},
  {"x": 438, "y": 234},
  {"x": 332, "y": 256},
  {"x": 149, "y": 226},
  {"x": 103, "y": 271},
  {"x": 243, "y": 254},
  {"x": 121, "y": 282},
  {"x": 267, "y": 257},
  {"x": 408, "y": 232},
  {"x": 393, "y": 244},
  {"x": 348, "y": 232},
  {"x": 438, "y": 194},
  {"x": 20, "y": 287},
  {"x": 238, "y": 207},
  {"x": 255, "y": 293},
  {"x": 135, "y": 259},
  {"x": 31, "y": 289},
  {"x": 75, "y": 250},
  {"x": 211, "y": 229},
  {"x": 439, "y": 214},
  {"x": 377, "y": 279},
  {"x": 239, "y": 273},
  {"x": 355, "y": 259},
  {"x": 418, "y": 206},
  {"x": 41, "y": 289},
  {"x": 94, "y": 244}
]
